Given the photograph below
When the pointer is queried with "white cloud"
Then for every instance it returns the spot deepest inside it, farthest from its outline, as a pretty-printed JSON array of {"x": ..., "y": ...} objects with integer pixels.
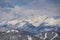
[
  {"x": 28, "y": 12},
  {"x": 18, "y": 12}
]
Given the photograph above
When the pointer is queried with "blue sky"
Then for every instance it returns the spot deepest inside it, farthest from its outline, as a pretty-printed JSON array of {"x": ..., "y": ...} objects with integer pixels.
[
  {"x": 23, "y": 8},
  {"x": 26, "y": 2}
]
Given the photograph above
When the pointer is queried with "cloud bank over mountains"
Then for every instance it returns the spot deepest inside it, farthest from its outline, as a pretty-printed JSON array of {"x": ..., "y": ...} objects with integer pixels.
[
  {"x": 18, "y": 12},
  {"x": 10, "y": 9}
]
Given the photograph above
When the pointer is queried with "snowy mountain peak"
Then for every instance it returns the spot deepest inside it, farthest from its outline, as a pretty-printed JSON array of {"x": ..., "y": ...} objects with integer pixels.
[
  {"x": 35, "y": 21},
  {"x": 52, "y": 22}
]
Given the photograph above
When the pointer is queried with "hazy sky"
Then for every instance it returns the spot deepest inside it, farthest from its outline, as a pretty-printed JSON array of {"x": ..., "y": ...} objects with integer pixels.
[{"x": 28, "y": 8}]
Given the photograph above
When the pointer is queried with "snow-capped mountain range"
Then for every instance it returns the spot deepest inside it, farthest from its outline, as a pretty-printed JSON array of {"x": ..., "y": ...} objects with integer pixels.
[
  {"x": 35, "y": 21},
  {"x": 34, "y": 24}
]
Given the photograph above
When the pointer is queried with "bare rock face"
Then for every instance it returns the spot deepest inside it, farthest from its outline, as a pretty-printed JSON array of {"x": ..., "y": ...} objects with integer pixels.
[
  {"x": 16, "y": 36},
  {"x": 13, "y": 35}
]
